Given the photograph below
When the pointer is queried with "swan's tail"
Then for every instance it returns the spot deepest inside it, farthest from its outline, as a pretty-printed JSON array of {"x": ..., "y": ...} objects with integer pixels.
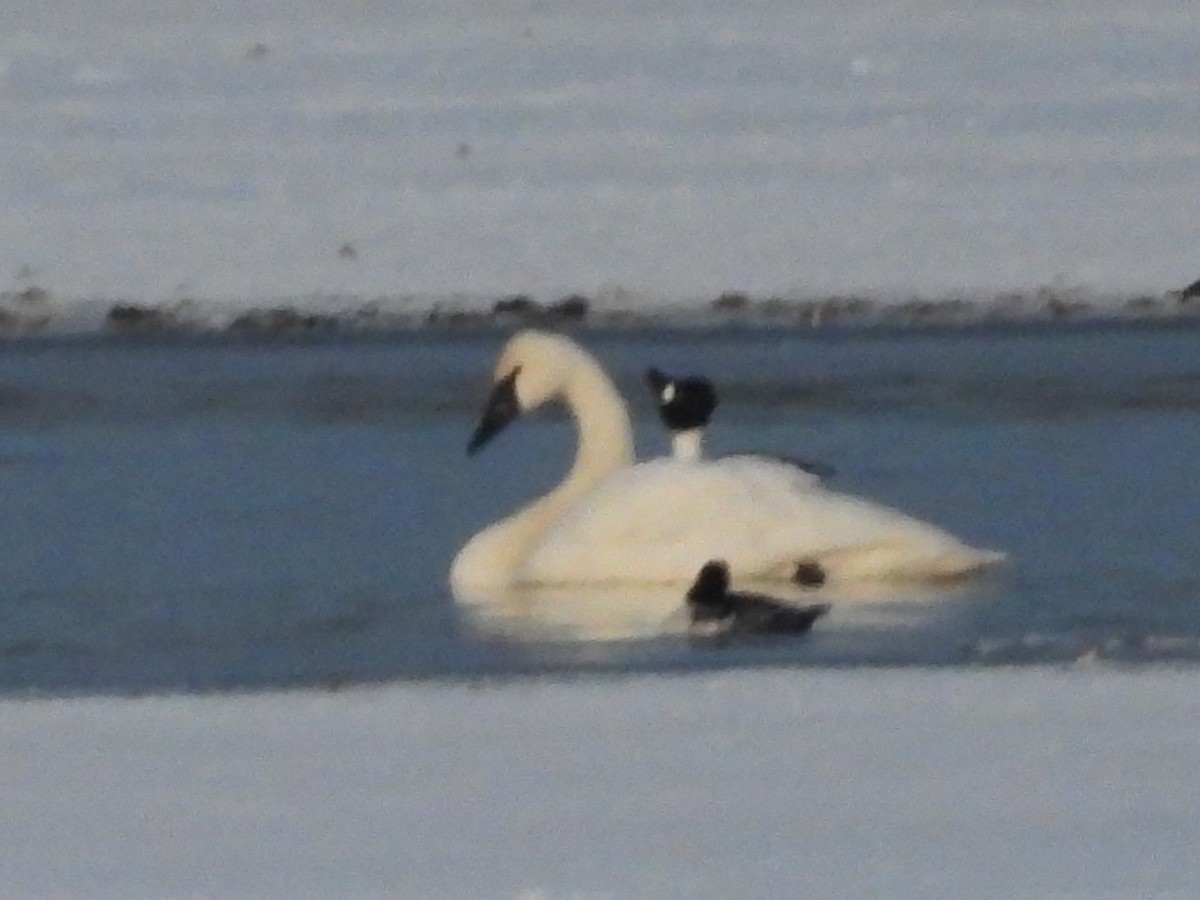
[{"x": 898, "y": 562}]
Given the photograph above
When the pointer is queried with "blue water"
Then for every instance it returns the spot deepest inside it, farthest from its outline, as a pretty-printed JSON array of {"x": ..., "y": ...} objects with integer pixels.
[{"x": 216, "y": 514}]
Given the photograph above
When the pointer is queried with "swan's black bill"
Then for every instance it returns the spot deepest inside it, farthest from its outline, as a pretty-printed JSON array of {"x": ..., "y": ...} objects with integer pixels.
[{"x": 501, "y": 408}]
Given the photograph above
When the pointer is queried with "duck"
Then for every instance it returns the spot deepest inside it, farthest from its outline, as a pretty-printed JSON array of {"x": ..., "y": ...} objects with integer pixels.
[
  {"x": 686, "y": 405},
  {"x": 715, "y": 610},
  {"x": 613, "y": 520}
]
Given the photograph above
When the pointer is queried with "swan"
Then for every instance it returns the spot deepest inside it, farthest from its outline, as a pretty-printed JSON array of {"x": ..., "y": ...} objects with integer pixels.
[{"x": 612, "y": 520}]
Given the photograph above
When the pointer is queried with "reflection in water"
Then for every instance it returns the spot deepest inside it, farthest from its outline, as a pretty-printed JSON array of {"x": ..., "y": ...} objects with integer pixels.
[
  {"x": 633, "y": 612},
  {"x": 576, "y": 612}
]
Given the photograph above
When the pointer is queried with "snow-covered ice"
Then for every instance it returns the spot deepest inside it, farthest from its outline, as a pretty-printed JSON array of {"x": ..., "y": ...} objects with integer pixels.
[
  {"x": 669, "y": 150},
  {"x": 1003, "y": 783}
]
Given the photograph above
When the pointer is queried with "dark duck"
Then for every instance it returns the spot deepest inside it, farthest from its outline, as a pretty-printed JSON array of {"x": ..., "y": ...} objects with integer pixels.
[
  {"x": 685, "y": 406},
  {"x": 714, "y": 609}
]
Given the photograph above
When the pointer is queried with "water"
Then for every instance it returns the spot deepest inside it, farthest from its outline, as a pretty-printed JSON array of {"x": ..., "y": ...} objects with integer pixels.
[{"x": 221, "y": 514}]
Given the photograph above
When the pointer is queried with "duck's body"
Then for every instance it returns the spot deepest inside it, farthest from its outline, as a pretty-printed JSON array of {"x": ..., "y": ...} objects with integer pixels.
[
  {"x": 715, "y": 610},
  {"x": 612, "y": 520}
]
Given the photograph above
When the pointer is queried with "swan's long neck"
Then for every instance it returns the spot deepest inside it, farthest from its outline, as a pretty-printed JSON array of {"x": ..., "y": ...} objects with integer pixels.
[
  {"x": 605, "y": 433},
  {"x": 605, "y": 445}
]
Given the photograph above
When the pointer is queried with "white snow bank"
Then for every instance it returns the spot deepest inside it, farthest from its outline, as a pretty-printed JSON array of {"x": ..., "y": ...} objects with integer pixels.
[
  {"x": 1028, "y": 783},
  {"x": 258, "y": 150}
]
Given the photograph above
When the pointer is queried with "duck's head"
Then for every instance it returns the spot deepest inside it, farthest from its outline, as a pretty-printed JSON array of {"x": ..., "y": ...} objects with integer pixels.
[
  {"x": 683, "y": 403},
  {"x": 708, "y": 597},
  {"x": 533, "y": 368}
]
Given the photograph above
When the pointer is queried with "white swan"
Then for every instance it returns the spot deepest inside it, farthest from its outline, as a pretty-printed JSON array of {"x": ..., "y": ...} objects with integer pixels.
[{"x": 613, "y": 521}]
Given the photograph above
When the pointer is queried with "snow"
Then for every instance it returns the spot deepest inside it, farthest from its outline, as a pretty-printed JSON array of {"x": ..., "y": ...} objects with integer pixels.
[
  {"x": 666, "y": 151},
  {"x": 998, "y": 783}
]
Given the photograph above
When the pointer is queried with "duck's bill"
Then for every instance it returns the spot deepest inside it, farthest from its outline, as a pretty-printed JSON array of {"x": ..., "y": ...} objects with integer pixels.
[
  {"x": 501, "y": 408},
  {"x": 657, "y": 380}
]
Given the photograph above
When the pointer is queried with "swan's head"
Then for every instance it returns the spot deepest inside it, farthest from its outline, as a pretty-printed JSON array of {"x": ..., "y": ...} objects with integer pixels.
[{"x": 534, "y": 368}]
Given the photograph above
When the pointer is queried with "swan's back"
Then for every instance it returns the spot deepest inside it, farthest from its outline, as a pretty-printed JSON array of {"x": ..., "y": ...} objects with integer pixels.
[{"x": 660, "y": 521}]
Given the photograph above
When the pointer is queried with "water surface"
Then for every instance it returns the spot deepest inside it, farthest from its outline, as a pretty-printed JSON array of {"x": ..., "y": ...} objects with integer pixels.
[{"x": 230, "y": 514}]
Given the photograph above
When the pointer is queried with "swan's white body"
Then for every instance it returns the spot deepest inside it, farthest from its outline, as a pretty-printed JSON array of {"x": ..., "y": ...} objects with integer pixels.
[{"x": 614, "y": 521}]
